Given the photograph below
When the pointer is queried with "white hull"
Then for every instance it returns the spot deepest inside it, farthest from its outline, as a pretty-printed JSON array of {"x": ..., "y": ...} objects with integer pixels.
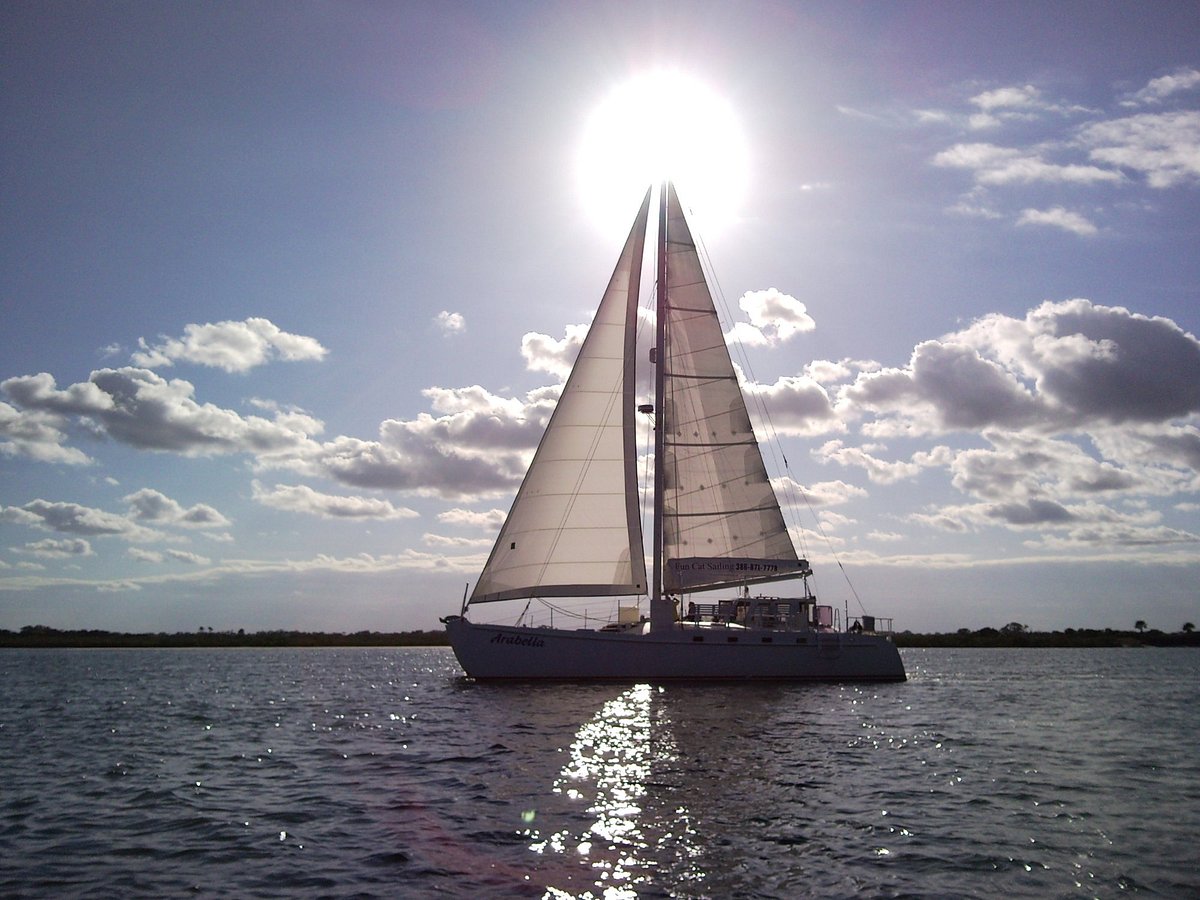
[{"x": 493, "y": 652}]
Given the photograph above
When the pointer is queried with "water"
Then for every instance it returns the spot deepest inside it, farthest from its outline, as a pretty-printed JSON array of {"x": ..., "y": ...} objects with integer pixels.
[{"x": 367, "y": 772}]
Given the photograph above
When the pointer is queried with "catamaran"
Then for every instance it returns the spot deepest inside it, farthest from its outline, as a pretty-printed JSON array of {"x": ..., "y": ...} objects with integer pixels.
[{"x": 575, "y": 526}]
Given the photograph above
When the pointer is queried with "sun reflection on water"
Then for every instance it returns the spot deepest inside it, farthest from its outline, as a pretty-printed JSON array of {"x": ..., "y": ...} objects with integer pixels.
[{"x": 617, "y": 761}]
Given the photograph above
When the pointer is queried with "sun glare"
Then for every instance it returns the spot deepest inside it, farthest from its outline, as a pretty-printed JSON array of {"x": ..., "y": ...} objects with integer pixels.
[{"x": 663, "y": 124}]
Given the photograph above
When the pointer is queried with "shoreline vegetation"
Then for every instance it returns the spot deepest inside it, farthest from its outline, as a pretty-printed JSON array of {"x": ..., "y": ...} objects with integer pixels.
[{"x": 1011, "y": 635}]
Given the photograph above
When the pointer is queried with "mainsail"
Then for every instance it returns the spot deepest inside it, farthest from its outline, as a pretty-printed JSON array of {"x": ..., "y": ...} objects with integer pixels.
[
  {"x": 721, "y": 519},
  {"x": 574, "y": 528}
]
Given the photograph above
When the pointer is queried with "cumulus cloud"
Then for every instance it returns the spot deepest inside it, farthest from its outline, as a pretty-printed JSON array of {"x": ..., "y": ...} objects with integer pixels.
[
  {"x": 879, "y": 470},
  {"x": 450, "y": 322},
  {"x": 774, "y": 318},
  {"x": 72, "y": 518},
  {"x": 543, "y": 353},
  {"x": 406, "y": 459},
  {"x": 140, "y": 408},
  {"x": 1097, "y": 363},
  {"x": 1025, "y": 466},
  {"x": 37, "y": 435},
  {"x": 148, "y": 505},
  {"x": 822, "y": 493},
  {"x": 947, "y": 385},
  {"x": 1065, "y": 365},
  {"x": 798, "y": 405},
  {"x": 1080, "y": 406},
  {"x": 481, "y": 445},
  {"x": 1058, "y": 217},
  {"x": 232, "y": 346},
  {"x": 301, "y": 498}
]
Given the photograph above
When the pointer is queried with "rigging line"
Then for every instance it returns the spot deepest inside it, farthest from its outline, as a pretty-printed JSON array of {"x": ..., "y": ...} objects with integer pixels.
[
  {"x": 569, "y": 613},
  {"x": 833, "y": 552}
]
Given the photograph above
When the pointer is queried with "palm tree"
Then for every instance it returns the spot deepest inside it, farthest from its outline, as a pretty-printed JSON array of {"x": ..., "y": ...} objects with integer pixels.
[{"x": 1140, "y": 625}]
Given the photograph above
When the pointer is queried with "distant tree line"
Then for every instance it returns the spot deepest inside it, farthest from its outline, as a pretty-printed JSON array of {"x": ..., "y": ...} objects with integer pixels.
[
  {"x": 43, "y": 636},
  {"x": 1014, "y": 634}
]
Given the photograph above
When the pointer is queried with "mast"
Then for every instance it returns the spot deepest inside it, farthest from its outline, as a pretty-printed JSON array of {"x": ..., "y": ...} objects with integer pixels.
[{"x": 662, "y": 609}]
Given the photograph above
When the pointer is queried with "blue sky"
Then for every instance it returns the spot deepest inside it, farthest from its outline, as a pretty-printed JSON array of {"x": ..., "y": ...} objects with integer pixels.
[{"x": 287, "y": 289}]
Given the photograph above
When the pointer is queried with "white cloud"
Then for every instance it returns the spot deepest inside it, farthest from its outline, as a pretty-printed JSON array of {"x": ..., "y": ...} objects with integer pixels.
[
  {"x": 1009, "y": 97},
  {"x": 1060, "y": 525},
  {"x": 450, "y": 322},
  {"x": 947, "y": 385},
  {"x": 148, "y": 505},
  {"x": 1058, "y": 217},
  {"x": 1067, "y": 365},
  {"x": 884, "y": 536},
  {"x": 301, "y": 498},
  {"x": 1096, "y": 364},
  {"x": 457, "y": 543},
  {"x": 38, "y": 435},
  {"x": 57, "y": 549},
  {"x": 774, "y": 318},
  {"x": 973, "y": 210},
  {"x": 232, "y": 346},
  {"x": 1023, "y": 467},
  {"x": 117, "y": 587},
  {"x": 481, "y": 445},
  {"x": 825, "y": 371},
  {"x": 72, "y": 518},
  {"x": 832, "y": 521},
  {"x": 486, "y": 520},
  {"x": 140, "y": 408},
  {"x": 1165, "y": 147},
  {"x": 543, "y": 353},
  {"x": 823, "y": 493},
  {"x": 798, "y": 405},
  {"x": 192, "y": 559},
  {"x": 155, "y": 556},
  {"x": 1158, "y": 89},
  {"x": 993, "y": 165},
  {"x": 879, "y": 470}
]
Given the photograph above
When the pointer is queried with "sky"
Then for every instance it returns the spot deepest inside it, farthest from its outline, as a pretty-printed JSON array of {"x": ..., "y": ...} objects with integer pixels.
[{"x": 289, "y": 290}]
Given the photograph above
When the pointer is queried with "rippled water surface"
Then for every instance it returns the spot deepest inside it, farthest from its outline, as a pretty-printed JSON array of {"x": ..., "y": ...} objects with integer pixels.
[{"x": 366, "y": 772}]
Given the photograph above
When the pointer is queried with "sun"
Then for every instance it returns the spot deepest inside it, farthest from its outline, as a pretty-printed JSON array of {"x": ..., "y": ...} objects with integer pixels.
[{"x": 663, "y": 124}]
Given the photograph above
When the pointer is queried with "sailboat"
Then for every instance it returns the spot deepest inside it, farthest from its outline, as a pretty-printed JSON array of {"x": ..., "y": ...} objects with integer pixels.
[{"x": 574, "y": 528}]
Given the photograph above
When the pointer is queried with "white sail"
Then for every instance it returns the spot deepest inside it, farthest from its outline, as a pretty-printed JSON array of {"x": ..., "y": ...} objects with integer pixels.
[
  {"x": 574, "y": 528},
  {"x": 718, "y": 502}
]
